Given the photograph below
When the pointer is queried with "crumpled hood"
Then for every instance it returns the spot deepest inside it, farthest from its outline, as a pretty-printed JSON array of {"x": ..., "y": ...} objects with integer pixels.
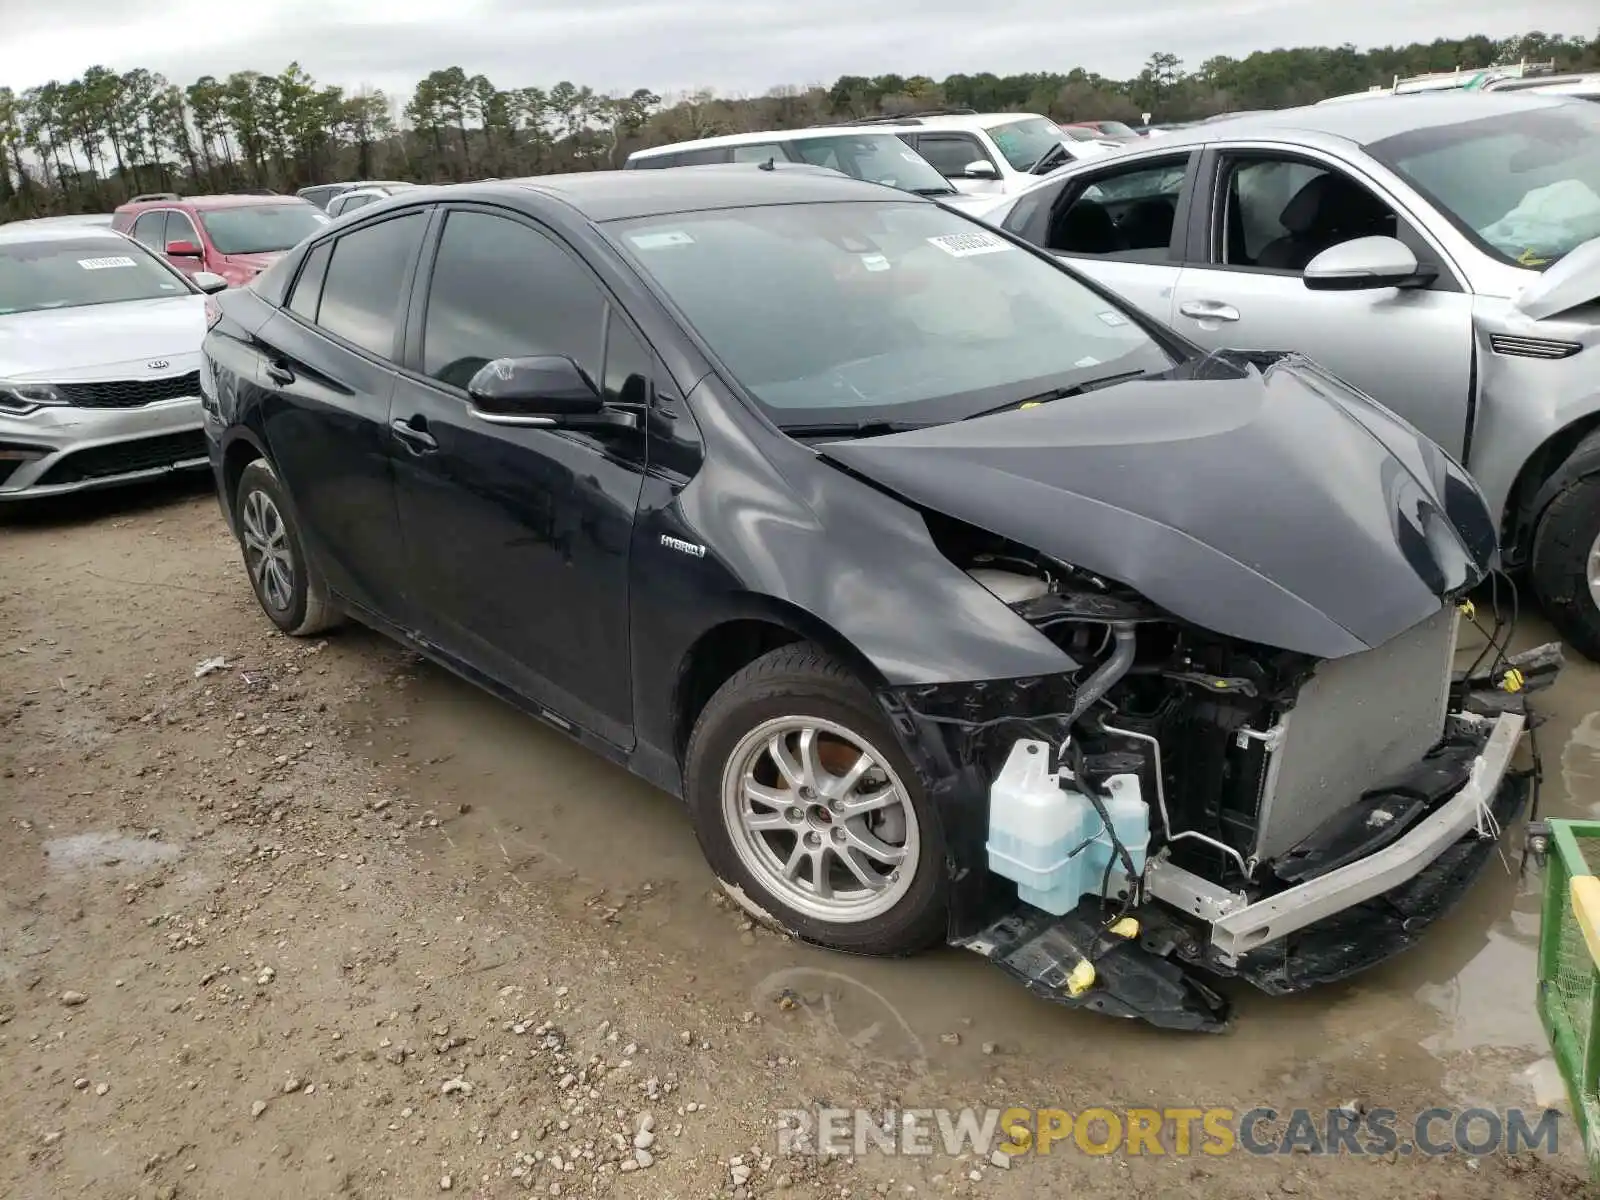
[
  {"x": 1282, "y": 508},
  {"x": 100, "y": 341}
]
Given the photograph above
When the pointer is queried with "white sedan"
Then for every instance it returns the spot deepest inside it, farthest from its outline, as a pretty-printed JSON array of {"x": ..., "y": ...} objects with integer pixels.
[{"x": 99, "y": 361}]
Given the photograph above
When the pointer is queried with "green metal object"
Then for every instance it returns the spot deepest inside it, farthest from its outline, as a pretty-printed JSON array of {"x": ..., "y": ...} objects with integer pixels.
[{"x": 1569, "y": 978}]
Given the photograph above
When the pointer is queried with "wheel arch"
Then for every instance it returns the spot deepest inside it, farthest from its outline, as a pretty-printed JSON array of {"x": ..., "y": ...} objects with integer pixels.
[
  {"x": 241, "y": 450},
  {"x": 757, "y": 625},
  {"x": 1567, "y": 455}
]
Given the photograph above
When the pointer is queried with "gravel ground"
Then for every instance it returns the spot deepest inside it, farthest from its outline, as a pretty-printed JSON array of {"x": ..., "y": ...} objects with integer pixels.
[{"x": 322, "y": 921}]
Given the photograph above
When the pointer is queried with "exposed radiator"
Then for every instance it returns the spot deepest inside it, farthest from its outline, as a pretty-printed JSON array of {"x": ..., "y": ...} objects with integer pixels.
[{"x": 1357, "y": 721}]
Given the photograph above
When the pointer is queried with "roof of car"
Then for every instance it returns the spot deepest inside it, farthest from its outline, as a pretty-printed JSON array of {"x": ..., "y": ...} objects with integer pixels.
[
  {"x": 63, "y": 221},
  {"x": 761, "y": 137},
  {"x": 51, "y": 231},
  {"x": 205, "y": 202},
  {"x": 1364, "y": 122},
  {"x": 618, "y": 195}
]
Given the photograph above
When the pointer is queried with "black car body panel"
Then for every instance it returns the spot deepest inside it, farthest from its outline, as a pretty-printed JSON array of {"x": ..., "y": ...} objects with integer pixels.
[
  {"x": 1279, "y": 507},
  {"x": 609, "y": 577}
]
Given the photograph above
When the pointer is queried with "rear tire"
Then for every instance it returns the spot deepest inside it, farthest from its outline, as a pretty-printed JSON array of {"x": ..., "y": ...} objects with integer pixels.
[
  {"x": 286, "y": 586},
  {"x": 794, "y": 775}
]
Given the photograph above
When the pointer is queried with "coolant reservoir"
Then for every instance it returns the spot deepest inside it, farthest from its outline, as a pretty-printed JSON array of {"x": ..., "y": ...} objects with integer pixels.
[{"x": 1047, "y": 836}]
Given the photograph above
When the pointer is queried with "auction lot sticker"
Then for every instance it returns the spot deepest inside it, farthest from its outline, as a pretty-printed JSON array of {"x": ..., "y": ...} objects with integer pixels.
[
  {"x": 102, "y": 264},
  {"x": 965, "y": 245}
]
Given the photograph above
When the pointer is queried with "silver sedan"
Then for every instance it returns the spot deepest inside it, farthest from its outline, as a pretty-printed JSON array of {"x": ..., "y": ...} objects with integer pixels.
[
  {"x": 1440, "y": 252},
  {"x": 99, "y": 361}
]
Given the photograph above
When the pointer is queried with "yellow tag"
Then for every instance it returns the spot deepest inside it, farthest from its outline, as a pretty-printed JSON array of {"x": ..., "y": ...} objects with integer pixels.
[
  {"x": 1468, "y": 609},
  {"x": 1081, "y": 979},
  {"x": 1029, "y": 404},
  {"x": 1513, "y": 681},
  {"x": 1127, "y": 927}
]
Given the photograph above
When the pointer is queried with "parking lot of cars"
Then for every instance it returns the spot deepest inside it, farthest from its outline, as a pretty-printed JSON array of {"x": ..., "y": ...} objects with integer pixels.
[{"x": 1057, "y": 546}]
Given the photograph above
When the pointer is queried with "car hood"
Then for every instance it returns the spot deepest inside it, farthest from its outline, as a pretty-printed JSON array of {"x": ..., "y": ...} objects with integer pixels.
[
  {"x": 98, "y": 341},
  {"x": 1570, "y": 282},
  {"x": 255, "y": 262},
  {"x": 1279, "y": 507}
]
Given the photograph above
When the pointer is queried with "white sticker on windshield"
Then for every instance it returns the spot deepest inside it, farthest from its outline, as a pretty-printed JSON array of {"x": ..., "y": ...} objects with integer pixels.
[
  {"x": 656, "y": 241},
  {"x": 1088, "y": 360},
  {"x": 874, "y": 262},
  {"x": 101, "y": 264},
  {"x": 910, "y": 156},
  {"x": 965, "y": 245},
  {"x": 1112, "y": 318}
]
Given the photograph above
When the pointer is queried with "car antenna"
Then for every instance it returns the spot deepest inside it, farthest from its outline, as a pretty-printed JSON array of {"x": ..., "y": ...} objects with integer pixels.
[{"x": 771, "y": 164}]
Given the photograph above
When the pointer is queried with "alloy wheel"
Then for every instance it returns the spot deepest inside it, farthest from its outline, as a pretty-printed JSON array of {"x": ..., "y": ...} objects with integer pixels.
[
  {"x": 267, "y": 553},
  {"x": 820, "y": 818}
]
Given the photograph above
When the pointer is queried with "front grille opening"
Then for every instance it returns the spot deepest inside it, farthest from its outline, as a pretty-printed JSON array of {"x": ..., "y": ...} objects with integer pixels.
[
  {"x": 129, "y": 393},
  {"x": 122, "y": 458}
]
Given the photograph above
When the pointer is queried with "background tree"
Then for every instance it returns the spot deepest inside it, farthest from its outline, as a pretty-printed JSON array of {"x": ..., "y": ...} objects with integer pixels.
[{"x": 89, "y": 143}]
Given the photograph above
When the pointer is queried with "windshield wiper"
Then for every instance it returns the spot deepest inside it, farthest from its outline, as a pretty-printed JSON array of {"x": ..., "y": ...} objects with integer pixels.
[
  {"x": 867, "y": 428},
  {"x": 1076, "y": 389},
  {"x": 935, "y": 191}
]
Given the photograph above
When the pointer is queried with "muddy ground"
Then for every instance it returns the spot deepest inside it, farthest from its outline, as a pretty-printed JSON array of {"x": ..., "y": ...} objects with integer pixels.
[{"x": 328, "y": 922}]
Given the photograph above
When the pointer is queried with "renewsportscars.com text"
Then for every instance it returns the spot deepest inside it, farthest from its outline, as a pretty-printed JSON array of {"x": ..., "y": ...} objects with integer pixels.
[{"x": 1176, "y": 1131}]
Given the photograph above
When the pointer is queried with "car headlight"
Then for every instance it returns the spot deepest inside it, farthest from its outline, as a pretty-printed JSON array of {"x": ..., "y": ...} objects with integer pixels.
[{"x": 19, "y": 399}]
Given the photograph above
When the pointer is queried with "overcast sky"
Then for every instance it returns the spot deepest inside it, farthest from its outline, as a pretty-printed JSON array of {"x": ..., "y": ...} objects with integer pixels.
[{"x": 735, "y": 46}]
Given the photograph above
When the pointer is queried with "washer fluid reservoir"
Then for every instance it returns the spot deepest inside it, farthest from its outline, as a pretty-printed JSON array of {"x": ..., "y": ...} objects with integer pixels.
[{"x": 1048, "y": 837}]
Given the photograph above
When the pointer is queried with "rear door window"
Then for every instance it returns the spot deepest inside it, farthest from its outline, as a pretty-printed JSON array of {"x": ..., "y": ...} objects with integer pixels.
[
  {"x": 704, "y": 157},
  {"x": 362, "y": 290},
  {"x": 308, "y": 288},
  {"x": 759, "y": 153}
]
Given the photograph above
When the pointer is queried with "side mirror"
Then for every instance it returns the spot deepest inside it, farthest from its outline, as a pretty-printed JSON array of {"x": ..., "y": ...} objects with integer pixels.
[
  {"x": 182, "y": 250},
  {"x": 1364, "y": 264},
  {"x": 532, "y": 391},
  {"x": 980, "y": 169},
  {"x": 208, "y": 282}
]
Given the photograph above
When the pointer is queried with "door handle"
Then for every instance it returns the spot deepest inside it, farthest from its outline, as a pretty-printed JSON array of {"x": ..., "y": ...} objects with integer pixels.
[
  {"x": 280, "y": 373},
  {"x": 1209, "y": 310},
  {"x": 418, "y": 441}
]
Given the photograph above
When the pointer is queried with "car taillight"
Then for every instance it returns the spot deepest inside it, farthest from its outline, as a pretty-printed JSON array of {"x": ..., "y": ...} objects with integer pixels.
[{"x": 213, "y": 313}]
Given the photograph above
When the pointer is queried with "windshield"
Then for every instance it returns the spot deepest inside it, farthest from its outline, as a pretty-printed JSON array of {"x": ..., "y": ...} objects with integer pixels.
[
  {"x": 260, "y": 228},
  {"x": 1525, "y": 186},
  {"x": 875, "y": 157},
  {"x": 1025, "y": 142},
  {"x": 1117, "y": 129},
  {"x": 71, "y": 273},
  {"x": 1078, "y": 133},
  {"x": 898, "y": 311}
]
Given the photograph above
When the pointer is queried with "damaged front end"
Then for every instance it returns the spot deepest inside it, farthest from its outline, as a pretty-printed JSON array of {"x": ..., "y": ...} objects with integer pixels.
[
  {"x": 1198, "y": 808},
  {"x": 1266, "y": 766}
]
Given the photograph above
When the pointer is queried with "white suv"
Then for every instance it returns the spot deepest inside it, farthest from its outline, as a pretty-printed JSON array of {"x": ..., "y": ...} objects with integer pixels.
[{"x": 990, "y": 154}]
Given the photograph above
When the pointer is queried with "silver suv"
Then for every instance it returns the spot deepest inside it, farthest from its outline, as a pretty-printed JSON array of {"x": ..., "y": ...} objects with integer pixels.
[{"x": 1440, "y": 252}]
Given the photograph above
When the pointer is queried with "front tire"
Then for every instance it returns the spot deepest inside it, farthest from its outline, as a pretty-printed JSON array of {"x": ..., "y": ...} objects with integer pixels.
[
  {"x": 804, "y": 802},
  {"x": 286, "y": 587},
  {"x": 1565, "y": 567}
]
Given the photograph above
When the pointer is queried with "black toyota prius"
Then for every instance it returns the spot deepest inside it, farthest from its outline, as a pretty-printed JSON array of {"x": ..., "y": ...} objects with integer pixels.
[{"x": 956, "y": 599}]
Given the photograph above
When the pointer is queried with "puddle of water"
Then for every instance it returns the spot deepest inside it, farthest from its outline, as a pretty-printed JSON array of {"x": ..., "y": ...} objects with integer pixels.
[
  {"x": 1452, "y": 1017},
  {"x": 84, "y": 850}
]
